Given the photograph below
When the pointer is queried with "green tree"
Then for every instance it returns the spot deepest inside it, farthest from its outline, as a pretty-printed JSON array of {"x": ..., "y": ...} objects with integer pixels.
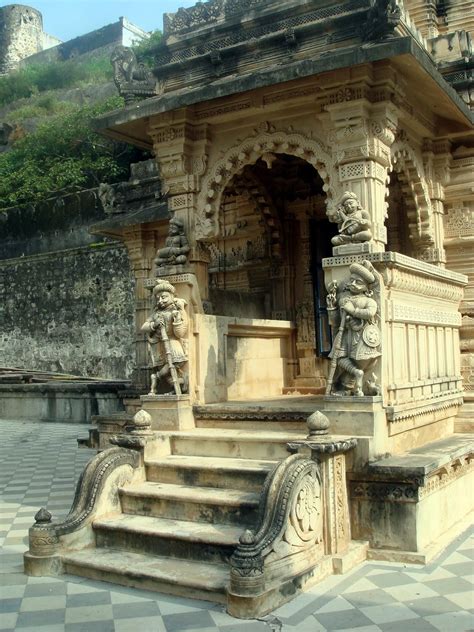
[
  {"x": 64, "y": 154},
  {"x": 145, "y": 49}
]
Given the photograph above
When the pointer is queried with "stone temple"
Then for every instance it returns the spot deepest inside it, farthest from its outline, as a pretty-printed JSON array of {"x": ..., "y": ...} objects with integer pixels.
[{"x": 303, "y": 393}]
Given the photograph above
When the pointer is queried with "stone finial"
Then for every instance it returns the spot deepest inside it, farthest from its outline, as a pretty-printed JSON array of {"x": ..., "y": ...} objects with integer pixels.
[
  {"x": 43, "y": 516},
  {"x": 247, "y": 537},
  {"x": 142, "y": 420},
  {"x": 318, "y": 424}
]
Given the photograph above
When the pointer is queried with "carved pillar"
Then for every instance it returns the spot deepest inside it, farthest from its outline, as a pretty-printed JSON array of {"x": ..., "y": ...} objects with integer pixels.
[
  {"x": 181, "y": 153},
  {"x": 361, "y": 137},
  {"x": 437, "y": 158},
  {"x": 141, "y": 248},
  {"x": 459, "y": 244},
  {"x": 305, "y": 334},
  {"x": 283, "y": 277}
]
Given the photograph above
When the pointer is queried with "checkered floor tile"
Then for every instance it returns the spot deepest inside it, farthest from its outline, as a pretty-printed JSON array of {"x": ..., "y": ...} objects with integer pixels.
[{"x": 40, "y": 464}]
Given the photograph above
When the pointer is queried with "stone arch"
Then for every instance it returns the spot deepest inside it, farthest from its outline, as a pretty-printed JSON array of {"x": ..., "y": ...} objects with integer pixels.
[
  {"x": 258, "y": 193},
  {"x": 264, "y": 144},
  {"x": 411, "y": 175}
]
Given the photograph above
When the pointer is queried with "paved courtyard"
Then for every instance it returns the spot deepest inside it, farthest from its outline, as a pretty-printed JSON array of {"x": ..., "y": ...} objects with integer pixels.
[{"x": 40, "y": 465}]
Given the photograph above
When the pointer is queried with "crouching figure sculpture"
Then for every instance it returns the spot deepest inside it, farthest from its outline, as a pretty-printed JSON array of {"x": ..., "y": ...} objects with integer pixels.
[
  {"x": 167, "y": 329},
  {"x": 354, "y": 315}
]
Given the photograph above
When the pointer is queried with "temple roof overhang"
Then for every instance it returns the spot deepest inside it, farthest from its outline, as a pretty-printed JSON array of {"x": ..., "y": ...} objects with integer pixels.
[{"x": 131, "y": 123}]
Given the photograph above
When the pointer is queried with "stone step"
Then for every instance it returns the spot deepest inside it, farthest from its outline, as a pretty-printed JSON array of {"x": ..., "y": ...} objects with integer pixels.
[
  {"x": 295, "y": 425},
  {"x": 198, "y": 504},
  {"x": 185, "y": 578},
  {"x": 280, "y": 416},
  {"x": 215, "y": 472},
  {"x": 212, "y": 442},
  {"x": 206, "y": 542}
]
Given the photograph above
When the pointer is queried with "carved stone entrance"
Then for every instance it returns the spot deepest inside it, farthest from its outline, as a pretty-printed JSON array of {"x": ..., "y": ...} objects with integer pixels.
[{"x": 285, "y": 162}]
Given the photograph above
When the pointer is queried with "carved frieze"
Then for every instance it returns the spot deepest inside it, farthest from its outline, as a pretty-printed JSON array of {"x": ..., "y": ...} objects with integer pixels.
[
  {"x": 409, "y": 313},
  {"x": 414, "y": 490},
  {"x": 200, "y": 14},
  {"x": 418, "y": 284},
  {"x": 459, "y": 222}
]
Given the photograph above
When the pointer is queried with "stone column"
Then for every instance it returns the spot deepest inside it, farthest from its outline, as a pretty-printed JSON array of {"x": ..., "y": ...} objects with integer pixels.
[
  {"x": 181, "y": 153},
  {"x": 437, "y": 158},
  {"x": 361, "y": 136},
  {"x": 459, "y": 244},
  {"x": 141, "y": 247}
]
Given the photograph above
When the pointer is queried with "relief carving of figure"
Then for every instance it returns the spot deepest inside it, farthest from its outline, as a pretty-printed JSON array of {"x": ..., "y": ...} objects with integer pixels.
[
  {"x": 167, "y": 329},
  {"x": 132, "y": 78},
  {"x": 176, "y": 246},
  {"x": 354, "y": 315},
  {"x": 353, "y": 222}
]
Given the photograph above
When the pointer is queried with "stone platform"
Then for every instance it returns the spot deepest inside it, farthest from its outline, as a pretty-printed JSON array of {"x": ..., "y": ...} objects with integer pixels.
[
  {"x": 379, "y": 596},
  {"x": 60, "y": 401}
]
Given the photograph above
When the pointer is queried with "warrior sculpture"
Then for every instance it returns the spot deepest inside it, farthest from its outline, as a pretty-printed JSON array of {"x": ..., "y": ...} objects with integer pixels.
[
  {"x": 167, "y": 329},
  {"x": 354, "y": 315},
  {"x": 353, "y": 222},
  {"x": 176, "y": 246}
]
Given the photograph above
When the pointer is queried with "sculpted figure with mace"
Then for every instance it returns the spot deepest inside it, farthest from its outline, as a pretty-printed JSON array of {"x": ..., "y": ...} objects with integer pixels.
[
  {"x": 354, "y": 315},
  {"x": 167, "y": 329}
]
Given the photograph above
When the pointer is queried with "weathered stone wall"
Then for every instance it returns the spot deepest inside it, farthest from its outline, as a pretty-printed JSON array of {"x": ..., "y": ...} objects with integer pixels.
[
  {"x": 66, "y": 297},
  {"x": 96, "y": 43},
  {"x": 21, "y": 35}
]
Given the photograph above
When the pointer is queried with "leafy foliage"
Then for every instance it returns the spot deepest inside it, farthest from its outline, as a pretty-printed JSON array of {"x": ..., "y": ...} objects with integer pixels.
[
  {"x": 63, "y": 155},
  {"x": 46, "y": 105},
  {"x": 144, "y": 50},
  {"x": 53, "y": 75}
]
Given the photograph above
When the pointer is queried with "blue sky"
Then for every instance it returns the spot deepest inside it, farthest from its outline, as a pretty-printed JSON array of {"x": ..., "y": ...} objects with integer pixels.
[{"x": 69, "y": 18}]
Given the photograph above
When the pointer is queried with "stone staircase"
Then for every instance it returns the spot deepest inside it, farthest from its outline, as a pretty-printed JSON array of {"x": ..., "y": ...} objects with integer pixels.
[{"x": 178, "y": 528}]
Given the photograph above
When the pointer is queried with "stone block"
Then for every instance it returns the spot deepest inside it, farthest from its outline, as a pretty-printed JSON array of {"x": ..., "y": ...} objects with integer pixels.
[{"x": 169, "y": 412}]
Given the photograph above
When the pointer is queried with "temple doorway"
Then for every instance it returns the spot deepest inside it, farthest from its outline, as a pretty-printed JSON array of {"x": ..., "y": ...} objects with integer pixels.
[{"x": 267, "y": 261}]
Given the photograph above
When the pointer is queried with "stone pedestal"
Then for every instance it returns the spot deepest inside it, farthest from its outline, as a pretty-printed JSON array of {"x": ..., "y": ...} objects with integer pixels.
[{"x": 169, "y": 412}]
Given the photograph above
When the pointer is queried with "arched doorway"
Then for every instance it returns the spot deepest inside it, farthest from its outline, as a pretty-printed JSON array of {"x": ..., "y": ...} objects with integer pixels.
[
  {"x": 400, "y": 211},
  {"x": 267, "y": 259}
]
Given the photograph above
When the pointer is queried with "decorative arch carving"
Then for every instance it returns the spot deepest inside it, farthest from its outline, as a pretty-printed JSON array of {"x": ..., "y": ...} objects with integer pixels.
[
  {"x": 264, "y": 144},
  {"x": 258, "y": 193},
  {"x": 412, "y": 177}
]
